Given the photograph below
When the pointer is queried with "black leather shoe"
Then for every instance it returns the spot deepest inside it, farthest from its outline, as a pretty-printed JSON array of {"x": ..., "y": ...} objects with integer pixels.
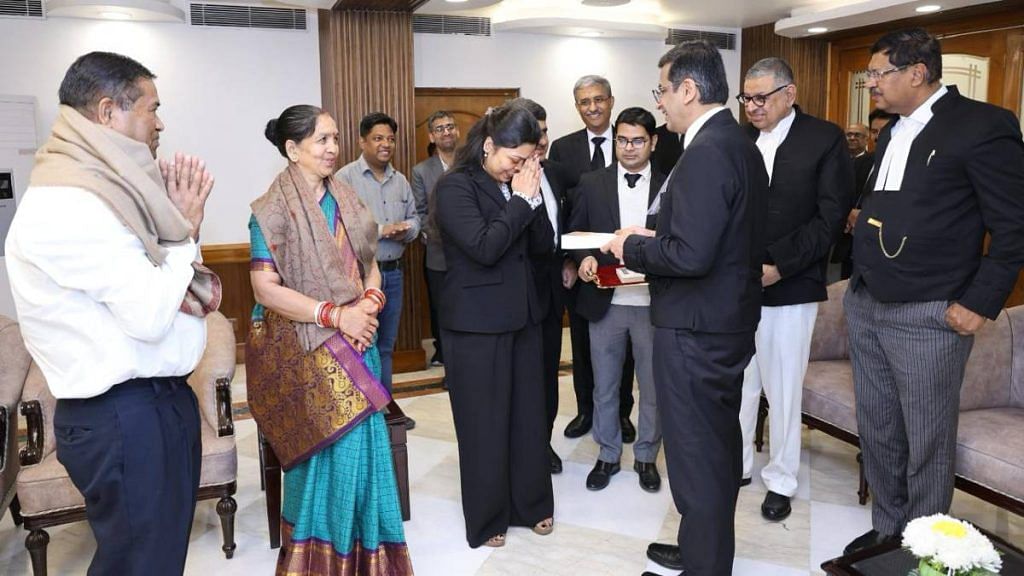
[
  {"x": 650, "y": 480},
  {"x": 666, "y": 555},
  {"x": 745, "y": 482},
  {"x": 628, "y": 431},
  {"x": 556, "y": 462},
  {"x": 579, "y": 426},
  {"x": 775, "y": 507},
  {"x": 409, "y": 423},
  {"x": 870, "y": 539},
  {"x": 601, "y": 474}
]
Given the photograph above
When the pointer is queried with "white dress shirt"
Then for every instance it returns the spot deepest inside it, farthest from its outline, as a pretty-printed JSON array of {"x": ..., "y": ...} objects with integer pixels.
[
  {"x": 550, "y": 204},
  {"x": 633, "y": 212},
  {"x": 93, "y": 310},
  {"x": 894, "y": 163},
  {"x": 606, "y": 146},
  {"x": 768, "y": 142}
]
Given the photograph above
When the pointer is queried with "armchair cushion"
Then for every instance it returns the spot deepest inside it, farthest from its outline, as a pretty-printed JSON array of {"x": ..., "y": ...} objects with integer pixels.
[
  {"x": 828, "y": 393},
  {"x": 987, "y": 376},
  {"x": 220, "y": 458},
  {"x": 990, "y": 449},
  {"x": 829, "y": 340},
  {"x": 46, "y": 487}
]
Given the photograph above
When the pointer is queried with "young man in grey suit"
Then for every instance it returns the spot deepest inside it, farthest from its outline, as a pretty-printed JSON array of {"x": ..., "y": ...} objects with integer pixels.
[
  {"x": 704, "y": 265},
  {"x": 444, "y": 136},
  {"x": 948, "y": 170},
  {"x": 610, "y": 199}
]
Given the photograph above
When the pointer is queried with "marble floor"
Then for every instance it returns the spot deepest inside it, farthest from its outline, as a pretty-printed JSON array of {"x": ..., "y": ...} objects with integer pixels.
[{"x": 596, "y": 533}]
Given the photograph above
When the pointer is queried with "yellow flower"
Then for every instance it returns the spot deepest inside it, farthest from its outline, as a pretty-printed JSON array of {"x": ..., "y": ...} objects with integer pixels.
[{"x": 950, "y": 528}]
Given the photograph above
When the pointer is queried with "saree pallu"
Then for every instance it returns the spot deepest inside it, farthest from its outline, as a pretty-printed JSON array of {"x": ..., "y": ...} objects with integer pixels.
[{"x": 341, "y": 514}]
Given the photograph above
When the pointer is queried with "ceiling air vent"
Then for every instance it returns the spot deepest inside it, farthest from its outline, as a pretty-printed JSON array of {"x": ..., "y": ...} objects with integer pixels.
[
  {"x": 21, "y": 8},
  {"x": 229, "y": 16},
  {"x": 721, "y": 40},
  {"x": 441, "y": 24}
]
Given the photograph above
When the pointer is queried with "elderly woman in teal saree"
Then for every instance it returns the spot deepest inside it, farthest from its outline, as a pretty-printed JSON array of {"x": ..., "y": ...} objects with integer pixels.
[{"x": 313, "y": 371}]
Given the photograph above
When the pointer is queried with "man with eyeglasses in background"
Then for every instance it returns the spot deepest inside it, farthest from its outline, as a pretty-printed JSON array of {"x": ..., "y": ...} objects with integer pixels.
[
  {"x": 810, "y": 179},
  {"x": 611, "y": 199},
  {"x": 444, "y": 136},
  {"x": 857, "y": 138},
  {"x": 948, "y": 170},
  {"x": 582, "y": 151}
]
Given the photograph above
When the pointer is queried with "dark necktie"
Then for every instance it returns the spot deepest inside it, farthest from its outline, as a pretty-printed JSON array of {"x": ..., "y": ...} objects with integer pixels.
[
  {"x": 597, "y": 161},
  {"x": 631, "y": 179}
]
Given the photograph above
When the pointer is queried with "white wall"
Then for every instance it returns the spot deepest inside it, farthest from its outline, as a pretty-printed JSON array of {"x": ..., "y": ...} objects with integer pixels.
[
  {"x": 218, "y": 88},
  {"x": 545, "y": 68}
]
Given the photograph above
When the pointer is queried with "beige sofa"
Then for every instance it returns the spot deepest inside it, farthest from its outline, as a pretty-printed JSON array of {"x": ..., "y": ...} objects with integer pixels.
[{"x": 990, "y": 439}]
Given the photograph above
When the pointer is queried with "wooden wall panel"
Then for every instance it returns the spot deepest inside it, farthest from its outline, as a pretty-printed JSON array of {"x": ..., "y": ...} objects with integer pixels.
[
  {"x": 807, "y": 56},
  {"x": 366, "y": 65},
  {"x": 231, "y": 263}
]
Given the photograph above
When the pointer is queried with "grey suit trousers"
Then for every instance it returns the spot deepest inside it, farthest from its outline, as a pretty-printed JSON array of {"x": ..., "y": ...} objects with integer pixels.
[
  {"x": 908, "y": 366},
  {"x": 609, "y": 337}
]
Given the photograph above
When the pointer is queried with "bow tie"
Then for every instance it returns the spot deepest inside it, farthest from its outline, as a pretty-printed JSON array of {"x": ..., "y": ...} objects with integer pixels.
[{"x": 631, "y": 179}]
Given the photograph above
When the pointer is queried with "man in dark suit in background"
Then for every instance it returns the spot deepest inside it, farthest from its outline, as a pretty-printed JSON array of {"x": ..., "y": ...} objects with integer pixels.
[
  {"x": 947, "y": 170},
  {"x": 444, "y": 136},
  {"x": 610, "y": 199},
  {"x": 582, "y": 151},
  {"x": 555, "y": 274},
  {"x": 811, "y": 179},
  {"x": 670, "y": 148},
  {"x": 857, "y": 138},
  {"x": 704, "y": 266}
]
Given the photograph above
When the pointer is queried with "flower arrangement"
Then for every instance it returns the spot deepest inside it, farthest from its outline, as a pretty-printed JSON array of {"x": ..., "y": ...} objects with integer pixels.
[{"x": 950, "y": 547}]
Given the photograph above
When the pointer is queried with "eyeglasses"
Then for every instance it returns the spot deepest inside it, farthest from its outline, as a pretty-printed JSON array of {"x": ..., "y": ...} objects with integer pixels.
[
  {"x": 877, "y": 75},
  {"x": 596, "y": 100},
  {"x": 759, "y": 100},
  {"x": 658, "y": 93},
  {"x": 636, "y": 142},
  {"x": 442, "y": 128}
]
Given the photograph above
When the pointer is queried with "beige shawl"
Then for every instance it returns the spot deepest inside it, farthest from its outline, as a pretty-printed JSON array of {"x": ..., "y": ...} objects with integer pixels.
[
  {"x": 305, "y": 252},
  {"x": 122, "y": 172}
]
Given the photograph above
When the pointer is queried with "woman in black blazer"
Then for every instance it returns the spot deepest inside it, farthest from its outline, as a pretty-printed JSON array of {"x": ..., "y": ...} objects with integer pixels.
[{"x": 492, "y": 223}]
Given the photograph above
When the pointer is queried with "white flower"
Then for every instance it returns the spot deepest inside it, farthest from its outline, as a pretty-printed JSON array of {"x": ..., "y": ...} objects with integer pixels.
[{"x": 956, "y": 545}]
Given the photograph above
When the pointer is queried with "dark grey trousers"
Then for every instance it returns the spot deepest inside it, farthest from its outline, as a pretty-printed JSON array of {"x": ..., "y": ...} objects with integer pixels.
[{"x": 908, "y": 365}]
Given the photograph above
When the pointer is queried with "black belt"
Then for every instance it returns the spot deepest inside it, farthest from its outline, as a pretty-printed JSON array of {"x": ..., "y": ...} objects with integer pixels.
[{"x": 389, "y": 265}]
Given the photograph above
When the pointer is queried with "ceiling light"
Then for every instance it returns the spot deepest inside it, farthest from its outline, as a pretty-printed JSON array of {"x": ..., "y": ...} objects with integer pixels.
[
  {"x": 817, "y": 30},
  {"x": 455, "y": 1},
  {"x": 604, "y": 3},
  {"x": 591, "y": 34},
  {"x": 928, "y": 8},
  {"x": 138, "y": 10}
]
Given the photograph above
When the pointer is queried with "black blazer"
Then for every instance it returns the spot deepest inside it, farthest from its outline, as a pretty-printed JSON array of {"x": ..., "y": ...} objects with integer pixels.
[
  {"x": 597, "y": 210},
  {"x": 964, "y": 176},
  {"x": 704, "y": 264},
  {"x": 488, "y": 243},
  {"x": 668, "y": 150},
  {"x": 808, "y": 200},
  {"x": 573, "y": 150},
  {"x": 861, "y": 170},
  {"x": 548, "y": 268}
]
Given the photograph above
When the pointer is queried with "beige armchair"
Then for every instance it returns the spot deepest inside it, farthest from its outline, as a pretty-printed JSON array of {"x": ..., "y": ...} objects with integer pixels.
[
  {"x": 14, "y": 363},
  {"x": 47, "y": 495}
]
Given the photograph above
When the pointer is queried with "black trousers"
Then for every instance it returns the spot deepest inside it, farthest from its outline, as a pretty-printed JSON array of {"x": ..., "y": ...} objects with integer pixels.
[
  {"x": 494, "y": 383},
  {"x": 583, "y": 369},
  {"x": 699, "y": 380},
  {"x": 551, "y": 341},
  {"x": 435, "y": 279},
  {"x": 134, "y": 452}
]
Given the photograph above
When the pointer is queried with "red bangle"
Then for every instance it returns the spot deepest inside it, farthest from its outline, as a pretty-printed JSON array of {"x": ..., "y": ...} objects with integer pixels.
[
  {"x": 325, "y": 315},
  {"x": 376, "y": 295}
]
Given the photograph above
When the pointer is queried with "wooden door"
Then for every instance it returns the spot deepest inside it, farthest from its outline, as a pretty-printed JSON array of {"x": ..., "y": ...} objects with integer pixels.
[{"x": 467, "y": 105}]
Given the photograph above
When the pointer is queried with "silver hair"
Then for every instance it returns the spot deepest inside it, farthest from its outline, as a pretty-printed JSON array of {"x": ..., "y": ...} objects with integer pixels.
[
  {"x": 592, "y": 80},
  {"x": 775, "y": 67}
]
